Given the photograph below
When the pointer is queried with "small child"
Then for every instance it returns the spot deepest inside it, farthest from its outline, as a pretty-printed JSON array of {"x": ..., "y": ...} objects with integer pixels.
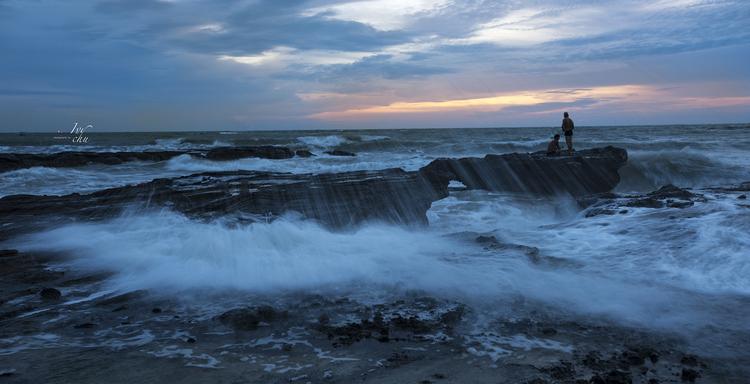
[{"x": 553, "y": 148}]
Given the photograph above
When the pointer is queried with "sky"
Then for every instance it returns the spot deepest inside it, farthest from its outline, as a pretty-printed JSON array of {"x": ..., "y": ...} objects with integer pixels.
[{"x": 177, "y": 65}]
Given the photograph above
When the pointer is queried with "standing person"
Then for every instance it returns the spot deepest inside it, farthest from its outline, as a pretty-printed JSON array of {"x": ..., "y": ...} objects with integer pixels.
[{"x": 567, "y": 127}]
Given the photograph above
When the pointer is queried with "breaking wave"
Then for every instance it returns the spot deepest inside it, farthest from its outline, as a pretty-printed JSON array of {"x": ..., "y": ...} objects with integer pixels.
[
  {"x": 323, "y": 141},
  {"x": 687, "y": 168},
  {"x": 586, "y": 267}
]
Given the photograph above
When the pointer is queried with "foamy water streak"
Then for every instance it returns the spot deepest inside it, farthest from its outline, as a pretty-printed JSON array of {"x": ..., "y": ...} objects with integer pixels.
[{"x": 637, "y": 268}]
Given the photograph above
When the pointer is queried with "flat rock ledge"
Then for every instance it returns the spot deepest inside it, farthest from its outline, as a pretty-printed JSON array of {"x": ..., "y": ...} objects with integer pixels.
[{"x": 336, "y": 199}]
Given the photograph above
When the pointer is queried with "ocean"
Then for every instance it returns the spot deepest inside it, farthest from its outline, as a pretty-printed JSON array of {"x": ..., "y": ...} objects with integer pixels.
[{"x": 673, "y": 272}]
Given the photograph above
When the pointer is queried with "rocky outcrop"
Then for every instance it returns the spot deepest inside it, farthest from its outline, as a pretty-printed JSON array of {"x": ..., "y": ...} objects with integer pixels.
[
  {"x": 336, "y": 200},
  {"x": 337, "y": 152},
  {"x": 12, "y": 161},
  {"x": 587, "y": 172}
]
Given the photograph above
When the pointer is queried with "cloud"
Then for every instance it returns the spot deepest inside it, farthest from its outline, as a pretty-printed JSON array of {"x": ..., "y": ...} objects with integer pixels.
[
  {"x": 132, "y": 5},
  {"x": 384, "y": 15},
  {"x": 267, "y": 63}
]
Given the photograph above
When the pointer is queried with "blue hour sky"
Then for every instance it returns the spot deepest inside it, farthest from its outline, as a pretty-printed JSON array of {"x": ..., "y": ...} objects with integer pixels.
[{"x": 280, "y": 64}]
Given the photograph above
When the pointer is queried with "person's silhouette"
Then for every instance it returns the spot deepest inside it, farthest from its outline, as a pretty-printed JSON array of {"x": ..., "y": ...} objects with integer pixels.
[
  {"x": 567, "y": 127},
  {"x": 553, "y": 148}
]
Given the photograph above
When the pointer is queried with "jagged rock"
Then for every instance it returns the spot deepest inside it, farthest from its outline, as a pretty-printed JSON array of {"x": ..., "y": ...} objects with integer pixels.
[
  {"x": 12, "y": 161},
  {"x": 588, "y": 172},
  {"x": 666, "y": 196},
  {"x": 618, "y": 377},
  {"x": 337, "y": 152},
  {"x": 690, "y": 360},
  {"x": 482, "y": 239},
  {"x": 670, "y": 191},
  {"x": 689, "y": 375},
  {"x": 335, "y": 200},
  {"x": 303, "y": 153},
  {"x": 50, "y": 294},
  {"x": 248, "y": 319},
  {"x": 648, "y": 202}
]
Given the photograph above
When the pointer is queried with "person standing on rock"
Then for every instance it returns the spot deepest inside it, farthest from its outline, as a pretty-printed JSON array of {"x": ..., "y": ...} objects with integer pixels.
[{"x": 567, "y": 127}]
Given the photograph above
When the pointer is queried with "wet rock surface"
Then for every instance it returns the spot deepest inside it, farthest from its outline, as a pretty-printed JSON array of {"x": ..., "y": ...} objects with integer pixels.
[
  {"x": 340, "y": 153},
  {"x": 336, "y": 199},
  {"x": 668, "y": 196},
  {"x": 310, "y": 337},
  {"x": 587, "y": 172},
  {"x": 13, "y": 161}
]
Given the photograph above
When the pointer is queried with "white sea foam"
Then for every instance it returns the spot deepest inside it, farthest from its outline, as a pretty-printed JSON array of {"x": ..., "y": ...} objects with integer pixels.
[
  {"x": 323, "y": 141},
  {"x": 647, "y": 170},
  {"x": 613, "y": 267}
]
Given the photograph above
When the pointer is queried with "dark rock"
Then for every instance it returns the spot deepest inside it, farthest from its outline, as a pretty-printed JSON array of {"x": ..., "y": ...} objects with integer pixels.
[
  {"x": 549, "y": 331},
  {"x": 324, "y": 319},
  {"x": 690, "y": 360},
  {"x": 486, "y": 239},
  {"x": 648, "y": 202},
  {"x": 618, "y": 377},
  {"x": 8, "y": 252},
  {"x": 11, "y": 161},
  {"x": 398, "y": 358},
  {"x": 588, "y": 172},
  {"x": 689, "y": 375},
  {"x": 637, "y": 355},
  {"x": 679, "y": 204},
  {"x": 156, "y": 310},
  {"x": 248, "y": 319},
  {"x": 303, "y": 153},
  {"x": 594, "y": 361},
  {"x": 670, "y": 191},
  {"x": 537, "y": 380},
  {"x": 666, "y": 196},
  {"x": 264, "y": 151},
  {"x": 50, "y": 294},
  {"x": 451, "y": 318},
  {"x": 438, "y": 376},
  {"x": 354, "y": 332},
  {"x": 84, "y": 326},
  {"x": 742, "y": 197},
  {"x": 596, "y": 379},
  {"x": 412, "y": 324},
  {"x": 336, "y": 200},
  {"x": 632, "y": 358},
  {"x": 563, "y": 371},
  {"x": 600, "y": 211},
  {"x": 337, "y": 152},
  {"x": 190, "y": 340}
]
